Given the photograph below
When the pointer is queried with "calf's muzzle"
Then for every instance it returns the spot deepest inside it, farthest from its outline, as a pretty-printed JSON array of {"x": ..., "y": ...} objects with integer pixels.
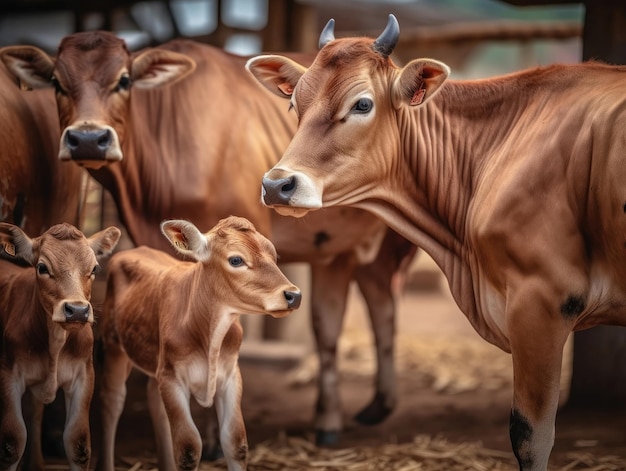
[
  {"x": 293, "y": 299},
  {"x": 76, "y": 312},
  {"x": 91, "y": 144}
]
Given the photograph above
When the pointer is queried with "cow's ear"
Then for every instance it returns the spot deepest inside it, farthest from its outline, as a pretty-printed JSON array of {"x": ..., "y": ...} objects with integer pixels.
[
  {"x": 418, "y": 82},
  {"x": 158, "y": 67},
  {"x": 15, "y": 245},
  {"x": 276, "y": 73},
  {"x": 103, "y": 242},
  {"x": 29, "y": 64},
  {"x": 186, "y": 239}
]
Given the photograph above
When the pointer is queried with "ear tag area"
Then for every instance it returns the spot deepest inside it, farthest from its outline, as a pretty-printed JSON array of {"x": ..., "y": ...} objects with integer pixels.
[
  {"x": 9, "y": 249},
  {"x": 418, "y": 97},
  {"x": 286, "y": 88}
]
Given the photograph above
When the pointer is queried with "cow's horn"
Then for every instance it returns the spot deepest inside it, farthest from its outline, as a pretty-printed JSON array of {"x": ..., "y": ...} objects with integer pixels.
[
  {"x": 388, "y": 39},
  {"x": 328, "y": 33}
]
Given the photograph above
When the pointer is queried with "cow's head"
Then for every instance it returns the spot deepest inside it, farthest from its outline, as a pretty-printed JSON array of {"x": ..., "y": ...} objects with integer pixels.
[
  {"x": 65, "y": 263},
  {"x": 93, "y": 75},
  {"x": 240, "y": 265},
  {"x": 347, "y": 102}
]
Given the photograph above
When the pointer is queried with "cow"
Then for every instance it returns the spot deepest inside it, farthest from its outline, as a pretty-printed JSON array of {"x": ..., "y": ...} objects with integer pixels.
[
  {"x": 36, "y": 190},
  {"x": 46, "y": 338},
  {"x": 178, "y": 322},
  {"x": 195, "y": 151},
  {"x": 521, "y": 207}
]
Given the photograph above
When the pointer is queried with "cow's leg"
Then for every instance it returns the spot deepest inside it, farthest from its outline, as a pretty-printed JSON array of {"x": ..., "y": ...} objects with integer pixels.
[
  {"x": 537, "y": 337},
  {"x": 161, "y": 424},
  {"x": 12, "y": 426},
  {"x": 380, "y": 282},
  {"x": 115, "y": 371},
  {"x": 186, "y": 440},
  {"x": 76, "y": 436},
  {"x": 232, "y": 429},
  {"x": 33, "y": 417},
  {"x": 329, "y": 294}
]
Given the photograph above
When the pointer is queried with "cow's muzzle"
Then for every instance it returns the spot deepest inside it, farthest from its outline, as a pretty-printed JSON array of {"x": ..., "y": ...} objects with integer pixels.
[
  {"x": 90, "y": 146},
  {"x": 293, "y": 299},
  {"x": 279, "y": 191},
  {"x": 76, "y": 312}
]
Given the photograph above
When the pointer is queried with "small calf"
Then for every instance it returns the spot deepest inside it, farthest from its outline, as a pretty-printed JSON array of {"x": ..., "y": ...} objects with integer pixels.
[
  {"x": 178, "y": 322},
  {"x": 45, "y": 342}
]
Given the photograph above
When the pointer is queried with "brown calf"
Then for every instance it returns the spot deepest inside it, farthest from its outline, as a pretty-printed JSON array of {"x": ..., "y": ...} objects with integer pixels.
[
  {"x": 45, "y": 343},
  {"x": 178, "y": 322}
]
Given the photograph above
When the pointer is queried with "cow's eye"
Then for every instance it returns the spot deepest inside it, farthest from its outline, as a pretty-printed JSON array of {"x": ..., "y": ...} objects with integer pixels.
[
  {"x": 57, "y": 85},
  {"x": 364, "y": 105},
  {"x": 95, "y": 270},
  {"x": 123, "y": 84},
  {"x": 42, "y": 269},
  {"x": 235, "y": 261}
]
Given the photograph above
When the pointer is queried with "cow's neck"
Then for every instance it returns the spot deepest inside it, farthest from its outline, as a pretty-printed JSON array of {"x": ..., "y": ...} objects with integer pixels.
[{"x": 445, "y": 145}]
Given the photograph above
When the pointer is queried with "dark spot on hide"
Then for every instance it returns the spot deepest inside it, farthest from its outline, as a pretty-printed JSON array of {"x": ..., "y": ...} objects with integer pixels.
[
  {"x": 242, "y": 453},
  {"x": 320, "y": 239},
  {"x": 521, "y": 432},
  {"x": 573, "y": 306}
]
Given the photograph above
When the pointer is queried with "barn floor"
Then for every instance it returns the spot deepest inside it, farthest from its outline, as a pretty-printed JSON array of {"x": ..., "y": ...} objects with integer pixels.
[{"x": 453, "y": 388}]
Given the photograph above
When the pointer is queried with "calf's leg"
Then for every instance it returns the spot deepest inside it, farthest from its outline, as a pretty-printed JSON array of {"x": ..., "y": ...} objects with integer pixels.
[
  {"x": 33, "y": 417},
  {"x": 161, "y": 425},
  {"x": 12, "y": 426},
  {"x": 76, "y": 437},
  {"x": 232, "y": 429},
  {"x": 187, "y": 444},
  {"x": 115, "y": 370}
]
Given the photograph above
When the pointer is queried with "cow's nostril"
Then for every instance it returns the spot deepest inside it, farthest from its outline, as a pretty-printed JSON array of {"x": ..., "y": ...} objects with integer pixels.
[
  {"x": 289, "y": 186},
  {"x": 104, "y": 140},
  {"x": 72, "y": 140}
]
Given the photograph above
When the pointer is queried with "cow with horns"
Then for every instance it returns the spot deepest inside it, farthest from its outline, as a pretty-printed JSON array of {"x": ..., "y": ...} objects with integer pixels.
[{"x": 521, "y": 207}]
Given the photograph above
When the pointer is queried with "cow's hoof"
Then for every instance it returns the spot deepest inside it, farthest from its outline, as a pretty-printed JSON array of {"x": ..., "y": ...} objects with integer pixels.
[
  {"x": 326, "y": 437},
  {"x": 375, "y": 412}
]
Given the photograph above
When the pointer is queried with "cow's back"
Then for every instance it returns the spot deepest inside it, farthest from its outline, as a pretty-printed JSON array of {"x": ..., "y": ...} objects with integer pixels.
[{"x": 36, "y": 190}]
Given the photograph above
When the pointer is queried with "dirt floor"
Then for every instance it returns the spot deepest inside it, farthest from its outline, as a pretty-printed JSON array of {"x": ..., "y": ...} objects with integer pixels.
[{"x": 454, "y": 389}]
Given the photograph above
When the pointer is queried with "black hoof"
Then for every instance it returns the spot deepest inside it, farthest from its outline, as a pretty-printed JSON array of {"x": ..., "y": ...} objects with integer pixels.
[
  {"x": 375, "y": 412},
  {"x": 326, "y": 437}
]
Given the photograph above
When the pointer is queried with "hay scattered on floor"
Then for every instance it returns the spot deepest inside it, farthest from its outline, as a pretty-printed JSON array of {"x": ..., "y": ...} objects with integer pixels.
[
  {"x": 439, "y": 363},
  {"x": 423, "y": 454}
]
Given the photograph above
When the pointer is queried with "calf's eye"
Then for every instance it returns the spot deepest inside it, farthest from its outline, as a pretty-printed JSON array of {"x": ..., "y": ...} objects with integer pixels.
[
  {"x": 235, "y": 261},
  {"x": 123, "y": 84},
  {"x": 57, "y": 85},
  {"x": 364, "y": 105},
  {"x": 42, "y": 269}
]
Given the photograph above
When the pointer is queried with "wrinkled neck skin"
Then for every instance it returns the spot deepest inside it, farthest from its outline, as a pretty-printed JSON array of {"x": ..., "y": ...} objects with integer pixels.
[{"x": 441, "y": 154}]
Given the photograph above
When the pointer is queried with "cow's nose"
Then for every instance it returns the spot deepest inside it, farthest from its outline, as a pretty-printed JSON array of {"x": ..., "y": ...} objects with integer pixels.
[
  {"x": 89, "y": 144},
  {"x": 75, "y": 312},
  {"x": 278, "y": 191},
  {"x": 293, "y": 299}
]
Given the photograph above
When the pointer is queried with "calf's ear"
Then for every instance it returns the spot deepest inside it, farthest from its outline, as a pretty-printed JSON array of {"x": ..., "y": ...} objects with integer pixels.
[
  {"x": 15, "y": 245},
  {"x": 158, "y": 67},
  {"x": 418, "y": 82},
  {"x": 276, "y": 73},
  {"x": 29, "y": 64},
  {"x": 186, "y": 239},
  {"x": 103, "y": 242}
]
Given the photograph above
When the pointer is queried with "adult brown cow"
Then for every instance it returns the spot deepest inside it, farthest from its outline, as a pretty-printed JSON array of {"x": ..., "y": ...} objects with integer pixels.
[
  {"x": 36, "y": 190},
  {"x": 178, "y": 322},
  {"x": 196, "y": 151},
  {"x": 521, "y": 206},
  {"x": 46, "y": 340}
]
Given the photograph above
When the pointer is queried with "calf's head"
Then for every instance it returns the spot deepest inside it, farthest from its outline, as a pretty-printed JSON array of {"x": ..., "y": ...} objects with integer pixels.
[
  {"x": 64, "y": 265},
  {"x": 239, "y": 266},
  {"x": 348, "y": 143},
  {"x": 93, "y": 75}
]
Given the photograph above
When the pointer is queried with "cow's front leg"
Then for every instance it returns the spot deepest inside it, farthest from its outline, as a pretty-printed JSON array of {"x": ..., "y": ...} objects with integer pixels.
[
  {"x": 76, "y": 436},
  {"x": 233, "y": 436},
  {"x": 329, "y": 295},
  {"x": 33, "y": 417},
  {"x": 537, "y": 340},
  {"x": 12, "y": 426},
  {"x": 187, "y": 444}
]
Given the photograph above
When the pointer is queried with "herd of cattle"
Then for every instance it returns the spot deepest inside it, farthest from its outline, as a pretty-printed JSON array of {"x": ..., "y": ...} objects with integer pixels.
[{"x": 521, "y": 207}]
